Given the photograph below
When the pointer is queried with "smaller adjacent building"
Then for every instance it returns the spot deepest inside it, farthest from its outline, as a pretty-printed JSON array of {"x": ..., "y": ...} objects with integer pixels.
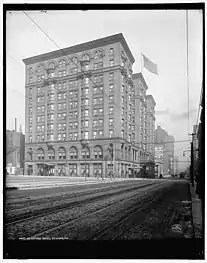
[
  {"x": 176, "y": 168},
  {"x": 15, "y": 143}
]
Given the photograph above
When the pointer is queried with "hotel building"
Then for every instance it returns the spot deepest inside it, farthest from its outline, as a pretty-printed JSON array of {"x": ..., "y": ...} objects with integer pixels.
[{"x": 80, "y": 102}]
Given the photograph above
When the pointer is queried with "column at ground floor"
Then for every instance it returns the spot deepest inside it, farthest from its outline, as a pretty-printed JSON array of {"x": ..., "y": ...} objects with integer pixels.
[{"x": 96, "y": 168}]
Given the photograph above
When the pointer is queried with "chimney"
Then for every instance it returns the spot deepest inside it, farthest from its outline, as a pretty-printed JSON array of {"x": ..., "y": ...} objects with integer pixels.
[{"x": 15, "y": 124}]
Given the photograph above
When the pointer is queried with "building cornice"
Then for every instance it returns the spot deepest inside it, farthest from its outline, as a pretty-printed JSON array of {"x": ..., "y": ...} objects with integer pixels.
[
  {"x": 80, "y": 48},
  {"x": 141, "y": 77},
  {"x": 150, "y": 97}
]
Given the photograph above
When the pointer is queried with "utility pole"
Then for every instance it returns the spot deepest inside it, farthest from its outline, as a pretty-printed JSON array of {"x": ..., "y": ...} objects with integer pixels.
[
  {"x": 192, "y": 165},
  {"x": 192, "y": 161},
  {"x": 110, "y": 149}
]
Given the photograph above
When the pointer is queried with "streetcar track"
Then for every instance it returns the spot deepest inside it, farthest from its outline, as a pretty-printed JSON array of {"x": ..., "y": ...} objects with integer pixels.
[
  {"x": 47, "y": 211},
  {"x": 62, "y": 197},
  {"x": 61, "y": 225},
  {"x": 130, "y": 213}
]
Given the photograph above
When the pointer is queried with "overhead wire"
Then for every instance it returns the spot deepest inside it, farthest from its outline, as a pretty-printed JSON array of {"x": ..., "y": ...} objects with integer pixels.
[
  {"x": 85, "y": 72},
  {"x": 62, "y": 50},
  {"x": 188, "y": 89}
]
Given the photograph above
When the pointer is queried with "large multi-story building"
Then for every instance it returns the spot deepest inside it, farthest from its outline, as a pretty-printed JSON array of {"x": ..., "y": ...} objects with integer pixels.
[
  {"x": 83, "y": 95},
  {"x": 176, "y": 165},
  {"x": 145, "y": 117}
]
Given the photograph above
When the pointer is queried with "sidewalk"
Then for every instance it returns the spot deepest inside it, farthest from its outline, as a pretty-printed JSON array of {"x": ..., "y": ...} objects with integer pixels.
[{"x": 196, "y": 213}]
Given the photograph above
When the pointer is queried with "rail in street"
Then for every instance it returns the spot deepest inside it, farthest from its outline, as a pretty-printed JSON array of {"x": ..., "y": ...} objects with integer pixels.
[{"x": 101, "y": 211}]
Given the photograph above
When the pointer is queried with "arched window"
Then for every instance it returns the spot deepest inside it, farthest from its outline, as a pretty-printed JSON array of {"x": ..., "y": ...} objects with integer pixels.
[
  {"x": 40, "y": 68},
  {"x": 98, "y": 54},
  {"x": 61, "y": 153},
  {"x": 85, "y": 153},
  {"x": 40, "y": 154},
  {"x": 73, "y": 153},
  {"x": 51, "y": 154},
  {"x": 98, "y": 152},
  {"x": 62, "y": 62},
  {"x": 85, "y": 57},
  {"x": 51, "y": 65},
  {"x": 75, "y": 60}
]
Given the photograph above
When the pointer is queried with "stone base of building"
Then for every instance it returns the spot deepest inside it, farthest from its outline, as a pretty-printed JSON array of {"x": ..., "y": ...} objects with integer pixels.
[{"x": 117, "y": 169}]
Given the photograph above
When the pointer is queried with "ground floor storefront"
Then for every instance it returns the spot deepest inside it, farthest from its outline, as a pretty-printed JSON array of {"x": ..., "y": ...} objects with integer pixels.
[{"x": 117, "y": 169}]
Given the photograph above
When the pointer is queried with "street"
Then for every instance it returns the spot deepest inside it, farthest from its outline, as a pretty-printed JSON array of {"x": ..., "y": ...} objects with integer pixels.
[{"x": 133, "y": 209}]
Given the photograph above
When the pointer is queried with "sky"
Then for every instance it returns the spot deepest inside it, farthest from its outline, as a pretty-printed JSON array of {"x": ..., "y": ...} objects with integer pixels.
[{"x": 159, "y": 35}]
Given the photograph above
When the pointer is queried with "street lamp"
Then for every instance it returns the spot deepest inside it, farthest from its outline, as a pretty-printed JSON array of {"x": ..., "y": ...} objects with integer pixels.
[
  {"x": 84, "y": 143},
  {"x": 110, "y": 149}
]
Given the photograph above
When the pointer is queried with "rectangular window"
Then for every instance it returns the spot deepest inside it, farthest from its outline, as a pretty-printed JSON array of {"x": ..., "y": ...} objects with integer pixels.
[
  {"x": 100, "y": 111},
  {"x": 122, "y": 111},
  {"x": 100, "y": 133},
  {"x": 30, "y": 91},
  {"x": 95, "y": 112},
  {"x": 111, "y": 122},
  {"x": 111, "y": 132},
  {"x": 86, "y": 135},
  {"x": 86, "y": 124},
  {"x": 111, "y": 87},
  {"x": 111, "y": 76},
  {"x": 94, "y": 123},
  {"x": 122, "y": 134},
  {"x": 111, "y": 52},
  {"x": 30, "y": 129},
  {"x": 100, "y": 122},
  {"x": 86, "y": 102},
  {"x": 75, "y": 114},
  {"x": 111, "y": 98},
  {"x": 111, "y": 110},
  {"x": 30, "y": 138},
  {"x": 86, "y": 112},
  {"x": 111, "y": 63},
  {"x": 122, "y": 122},
  {"x": 75, "y": 136},
  {"x": 94, "y": 135}
]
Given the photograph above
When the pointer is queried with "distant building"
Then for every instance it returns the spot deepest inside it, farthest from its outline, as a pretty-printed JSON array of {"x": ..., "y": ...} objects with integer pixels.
[
  {"x": 159, "y": 160},
  {"x": 162, "y": 138},
  {"x": 15, "y": 143},
  {"x": 175, "y": 164}
]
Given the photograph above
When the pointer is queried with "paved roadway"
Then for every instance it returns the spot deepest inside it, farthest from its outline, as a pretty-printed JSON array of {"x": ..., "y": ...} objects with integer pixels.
[
  {"x": 34, "y": 182},
  {"x": 126, "y": 210}
]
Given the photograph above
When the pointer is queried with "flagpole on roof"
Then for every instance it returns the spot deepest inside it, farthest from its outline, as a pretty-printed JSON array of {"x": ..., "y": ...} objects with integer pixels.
[{"x": 141, "y": 62}]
